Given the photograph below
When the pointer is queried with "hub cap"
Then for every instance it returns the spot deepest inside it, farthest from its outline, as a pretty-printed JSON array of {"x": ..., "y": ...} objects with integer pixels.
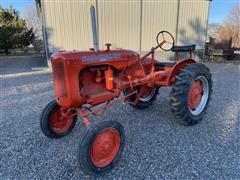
[
  {"x": 148, "y": 94},
  {"x": 105, "y": 147},
  {"x": 60, "y": 120},
  {"x": 198, "y": 95}
]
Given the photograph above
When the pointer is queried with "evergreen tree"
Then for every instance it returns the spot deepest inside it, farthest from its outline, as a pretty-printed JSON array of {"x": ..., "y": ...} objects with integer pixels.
[{"x": 14, "y": 32}]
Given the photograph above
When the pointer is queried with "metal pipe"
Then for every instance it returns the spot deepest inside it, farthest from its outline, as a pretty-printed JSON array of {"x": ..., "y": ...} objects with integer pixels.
[{"x": 94, "y": 28}]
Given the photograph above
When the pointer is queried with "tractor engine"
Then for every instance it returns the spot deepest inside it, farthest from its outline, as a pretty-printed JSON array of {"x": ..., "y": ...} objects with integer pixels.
[{"x": 89, "y": 77}]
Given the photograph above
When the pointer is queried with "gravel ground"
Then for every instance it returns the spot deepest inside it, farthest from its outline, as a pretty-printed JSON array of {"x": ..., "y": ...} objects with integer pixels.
[{"x": 156, "y": 147}]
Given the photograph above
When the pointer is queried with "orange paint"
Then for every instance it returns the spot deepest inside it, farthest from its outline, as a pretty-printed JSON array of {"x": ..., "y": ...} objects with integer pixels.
[{"x": 109, "y": 79}]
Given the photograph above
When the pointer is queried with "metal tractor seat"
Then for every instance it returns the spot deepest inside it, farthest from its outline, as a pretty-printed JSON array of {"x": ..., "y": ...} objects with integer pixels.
[
  {"x": 176, "y": 49},
  {"x": 184, "y": 48}
]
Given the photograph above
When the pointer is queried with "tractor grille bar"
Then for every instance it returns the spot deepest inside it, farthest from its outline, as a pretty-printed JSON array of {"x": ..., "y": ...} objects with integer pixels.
[{"x": 59, "y": 79}]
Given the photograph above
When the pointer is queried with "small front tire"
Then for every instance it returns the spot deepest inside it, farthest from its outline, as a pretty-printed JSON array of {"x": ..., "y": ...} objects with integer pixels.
[
  {"x": 101, "y": 147},
  {"x": 57, "y": 122}
]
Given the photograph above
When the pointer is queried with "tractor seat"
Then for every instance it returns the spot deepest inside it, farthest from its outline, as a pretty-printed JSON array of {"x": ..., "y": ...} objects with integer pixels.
[{"x": 184, "y": 48}]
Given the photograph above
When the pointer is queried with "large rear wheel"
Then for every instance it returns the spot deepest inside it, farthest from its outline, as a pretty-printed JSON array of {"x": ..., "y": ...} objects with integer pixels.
[{"x": 191, "y": 94}]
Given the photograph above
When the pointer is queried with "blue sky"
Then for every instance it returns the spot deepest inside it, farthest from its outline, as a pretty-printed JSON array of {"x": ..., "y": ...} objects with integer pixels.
[
  {"x": 17, "y": 4},
  {"x": 218, "y": 8}
]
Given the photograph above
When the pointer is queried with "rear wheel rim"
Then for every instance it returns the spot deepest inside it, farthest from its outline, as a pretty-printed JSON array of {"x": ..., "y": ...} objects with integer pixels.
[
  {"x": 148, "y": 95},
  {"x": 198, "y": 95},
  {"x": 105, "y": 147},
  {"x": 60, "y": 120}
]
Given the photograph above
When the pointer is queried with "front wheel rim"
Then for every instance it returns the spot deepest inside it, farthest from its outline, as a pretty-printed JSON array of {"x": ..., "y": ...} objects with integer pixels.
[
  {"x": 105, "y": 147},
  {"x": 198, "y": 95},
  {"x": 60, "y": 121}
]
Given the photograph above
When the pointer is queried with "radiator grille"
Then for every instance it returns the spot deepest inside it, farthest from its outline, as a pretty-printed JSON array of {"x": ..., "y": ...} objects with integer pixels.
[{"x": 59, "y": 79}]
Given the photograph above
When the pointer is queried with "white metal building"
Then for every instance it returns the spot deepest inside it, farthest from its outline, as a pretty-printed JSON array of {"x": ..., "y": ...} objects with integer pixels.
[{"x": 125, "y": 24}]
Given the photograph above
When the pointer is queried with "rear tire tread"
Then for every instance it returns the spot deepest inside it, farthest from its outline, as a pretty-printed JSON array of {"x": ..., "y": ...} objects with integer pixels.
[{"x": 179, "y": 93}]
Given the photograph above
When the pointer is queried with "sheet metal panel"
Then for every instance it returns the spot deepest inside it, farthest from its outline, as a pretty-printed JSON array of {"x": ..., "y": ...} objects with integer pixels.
[
  {"x": 192, "y": 25},
  {"x": 68, "y": 24},
  {"x": 157, "y": 16},
  {"x": 126, "y": 24},
  {"x": 119, "y": 24}
]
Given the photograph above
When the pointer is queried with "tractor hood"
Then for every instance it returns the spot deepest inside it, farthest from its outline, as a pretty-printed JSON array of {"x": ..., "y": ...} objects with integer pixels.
[{"x": 117, "y": 58}]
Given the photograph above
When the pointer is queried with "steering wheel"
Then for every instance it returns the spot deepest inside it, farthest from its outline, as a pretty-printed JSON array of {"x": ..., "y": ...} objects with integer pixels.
[{"x": 168, "y": 38}]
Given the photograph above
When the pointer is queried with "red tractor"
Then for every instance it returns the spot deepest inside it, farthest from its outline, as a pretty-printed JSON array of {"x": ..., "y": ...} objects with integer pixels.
[{"x": 84, "y": 80}]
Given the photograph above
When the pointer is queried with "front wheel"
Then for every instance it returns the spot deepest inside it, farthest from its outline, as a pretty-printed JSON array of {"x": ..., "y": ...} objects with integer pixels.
[
  {"x": 101, "y": 147},
  {"x": 57, "y": 122},
  {"x": 191, "y": 94}
]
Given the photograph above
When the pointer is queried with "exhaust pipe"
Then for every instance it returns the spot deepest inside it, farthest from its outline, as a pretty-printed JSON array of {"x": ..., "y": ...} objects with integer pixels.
[{"x": 94, "y": 29}]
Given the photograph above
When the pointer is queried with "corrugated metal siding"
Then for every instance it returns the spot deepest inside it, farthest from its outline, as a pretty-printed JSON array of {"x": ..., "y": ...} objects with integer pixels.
[
  {"x": 68, "y": 24},
  {"x": 126, "y": 24},
  {"x": 192, "y": 25},
  {"x": 119, "y": 24},
  {"x": 158, "y": 16}
]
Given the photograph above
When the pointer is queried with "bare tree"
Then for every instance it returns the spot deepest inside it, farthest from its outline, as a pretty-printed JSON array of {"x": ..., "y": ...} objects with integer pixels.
[
  {"x": 33, "y": 20},
  {"x": 212, "y": 29},
  {"x": 231, "y": 26}
]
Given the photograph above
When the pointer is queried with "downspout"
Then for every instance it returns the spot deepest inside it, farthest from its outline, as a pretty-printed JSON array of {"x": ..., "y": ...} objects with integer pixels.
[
  {"x": 45, "y": 39},
  {"x": 207, "y": 20},
  {"x": 203, "y": 53}
]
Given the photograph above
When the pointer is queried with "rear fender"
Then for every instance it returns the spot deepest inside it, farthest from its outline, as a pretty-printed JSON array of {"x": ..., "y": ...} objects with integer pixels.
[{"x": 176, "y": 70}]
